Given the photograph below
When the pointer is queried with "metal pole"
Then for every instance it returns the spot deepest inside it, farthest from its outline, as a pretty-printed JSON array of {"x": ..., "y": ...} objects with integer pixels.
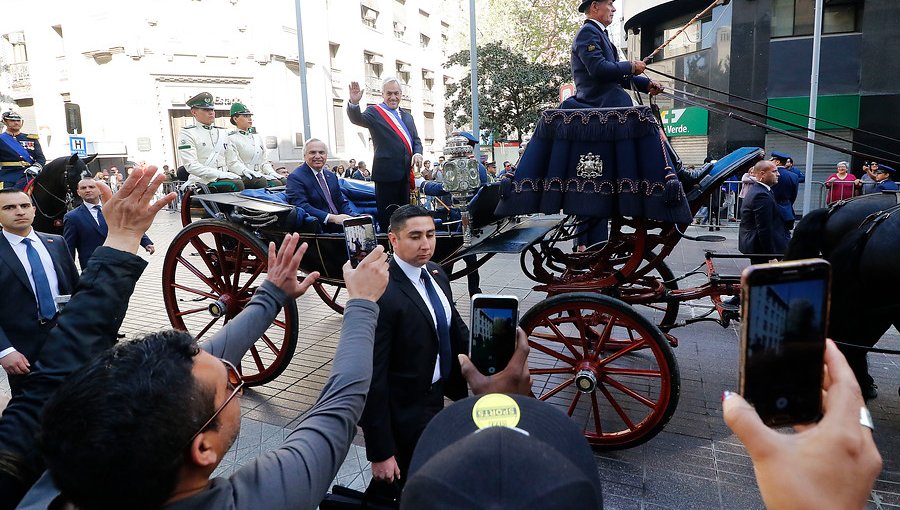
[
  {"x": 473, "y": 56},
  {"x": 813, "y": 104},
  {"x": 304, "y": 97}
]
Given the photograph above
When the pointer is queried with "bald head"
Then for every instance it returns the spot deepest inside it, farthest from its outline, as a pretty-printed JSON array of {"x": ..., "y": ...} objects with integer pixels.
[{"x": 88, "y": 191}]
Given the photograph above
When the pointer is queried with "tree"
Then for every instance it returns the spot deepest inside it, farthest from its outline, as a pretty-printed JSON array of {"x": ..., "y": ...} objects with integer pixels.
[
  {"x": 512, "y": 91},
  {"x": 542, "y": 29}
]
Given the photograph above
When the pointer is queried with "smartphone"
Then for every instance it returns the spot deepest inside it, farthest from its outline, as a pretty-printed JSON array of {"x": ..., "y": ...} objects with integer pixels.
[
  {"x": 492, "y": 331},
  {"x": 359, "y": 236},
  {"x": 783, "y": 324}
]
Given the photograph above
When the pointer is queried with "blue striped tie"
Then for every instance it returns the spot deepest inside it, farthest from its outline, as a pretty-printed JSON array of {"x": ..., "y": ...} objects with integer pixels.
[{"x": 46, "y": 306}]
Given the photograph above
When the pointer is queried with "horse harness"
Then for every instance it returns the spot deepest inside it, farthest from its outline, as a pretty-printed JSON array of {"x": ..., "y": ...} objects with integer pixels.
[{"x": 68, "y": 201}]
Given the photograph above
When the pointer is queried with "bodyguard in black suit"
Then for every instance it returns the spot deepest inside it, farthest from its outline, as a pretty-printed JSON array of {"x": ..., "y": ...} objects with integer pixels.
[
  {"x": 35, "y": 270},
  {"x": 316, "y": 190},
  {"x": 762, "y": 227},
  {"x": 397, "y": 146},
  {"x": 85, "y": 228},
  {"x": 416, "y": 347}
]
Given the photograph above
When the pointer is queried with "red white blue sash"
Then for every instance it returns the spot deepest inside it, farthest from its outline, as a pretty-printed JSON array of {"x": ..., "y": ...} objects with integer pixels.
[{"x": 394, "y": 122}]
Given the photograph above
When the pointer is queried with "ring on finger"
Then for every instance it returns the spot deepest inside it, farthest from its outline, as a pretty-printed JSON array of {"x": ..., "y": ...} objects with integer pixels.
[{"x": 865, "y": 418}]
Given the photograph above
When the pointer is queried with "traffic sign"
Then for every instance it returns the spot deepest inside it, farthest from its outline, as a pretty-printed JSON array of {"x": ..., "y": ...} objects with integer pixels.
[{"x": 78, "y": 145}]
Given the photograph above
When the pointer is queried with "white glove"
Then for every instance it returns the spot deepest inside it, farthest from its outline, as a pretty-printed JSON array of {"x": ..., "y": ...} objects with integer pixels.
[
  {"x": 228, "y": 175},
  {"x": 252, "y": 174},
  {"x": 273, "y": 177}
]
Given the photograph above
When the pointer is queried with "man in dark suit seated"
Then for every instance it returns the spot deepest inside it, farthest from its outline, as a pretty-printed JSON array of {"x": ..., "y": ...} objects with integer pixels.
[
  {"x": 762, "y": 227},
  {"x": 418, "y": 337},
  {"x": 85, "y": 227},
  {"x": 315, "y": 189},
  {"x": 36, "y": 275},
  {"x": 397, "y": 145}
]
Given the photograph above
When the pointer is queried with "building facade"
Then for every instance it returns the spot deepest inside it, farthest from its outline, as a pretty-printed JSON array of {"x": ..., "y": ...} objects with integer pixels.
[
  {"x": 762, "y": 50},
  {"x": 112, "y": 78}
]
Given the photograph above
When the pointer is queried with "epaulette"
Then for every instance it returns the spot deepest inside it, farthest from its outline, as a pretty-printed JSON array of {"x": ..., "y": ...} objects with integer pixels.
[
  {"x": 218, "y": 127},
  {"x": 33, "y": 137},
  {"x": 188, "y": 127},
  {"x": 232, "y": 132}
]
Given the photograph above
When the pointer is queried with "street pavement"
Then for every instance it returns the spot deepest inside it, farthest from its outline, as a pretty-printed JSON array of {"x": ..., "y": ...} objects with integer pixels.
[{"x": 694, "y": 463}]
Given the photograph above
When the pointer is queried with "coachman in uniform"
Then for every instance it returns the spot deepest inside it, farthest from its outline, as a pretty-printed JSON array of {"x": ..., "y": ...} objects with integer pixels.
[
  {"x": 202, "y": 147},
  {"x": 246, "y": 153},
  {"x": 18, "y": 151}
]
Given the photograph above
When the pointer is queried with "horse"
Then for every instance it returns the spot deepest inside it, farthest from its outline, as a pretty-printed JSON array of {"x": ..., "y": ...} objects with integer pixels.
[
  {"x": 55, "y": 191},
  {"x": 860, "y": 237}
]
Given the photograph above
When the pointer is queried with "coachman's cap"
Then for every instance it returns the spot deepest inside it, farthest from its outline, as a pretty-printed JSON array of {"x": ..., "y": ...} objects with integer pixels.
[
  {"x": 502, "y": 451},
  {"x": 11, "y": 115},
  {"x": 584, "y": 5},
  {"x": 885, "y": 169},
  {"x": 780, "y": 155},
  {"x": 203, "y": 100}
]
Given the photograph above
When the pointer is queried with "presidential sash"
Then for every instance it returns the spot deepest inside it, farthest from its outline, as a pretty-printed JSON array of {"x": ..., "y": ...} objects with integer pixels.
[{"x": 394, "y": 122}]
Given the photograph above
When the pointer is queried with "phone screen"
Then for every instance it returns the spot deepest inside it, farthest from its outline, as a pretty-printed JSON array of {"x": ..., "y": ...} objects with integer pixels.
[
  {"x": 359, "y": 235},
  {"x": 492, "y": 331},
  {"x": 785, "y": 317}
]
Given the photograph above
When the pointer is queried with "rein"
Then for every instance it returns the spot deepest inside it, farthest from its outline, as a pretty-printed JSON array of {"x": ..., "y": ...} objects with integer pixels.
[{"x": 68, "y": 201}]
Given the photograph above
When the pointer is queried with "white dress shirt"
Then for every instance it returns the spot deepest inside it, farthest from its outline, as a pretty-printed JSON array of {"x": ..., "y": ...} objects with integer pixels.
[
  {"x": 94, "y": 209},
  {"x": 19, "y": 248},
  {"x": 415, "y": 276}
]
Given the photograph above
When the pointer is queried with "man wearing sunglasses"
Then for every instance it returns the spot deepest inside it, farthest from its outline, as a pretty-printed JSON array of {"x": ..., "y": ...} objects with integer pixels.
[{"x": 146, "y": 423}]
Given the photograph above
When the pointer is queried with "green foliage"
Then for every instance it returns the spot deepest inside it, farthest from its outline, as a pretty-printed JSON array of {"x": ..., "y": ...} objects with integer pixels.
[
  {"x": 542, "y": 30},
  {"x": 511, "y": 90}
]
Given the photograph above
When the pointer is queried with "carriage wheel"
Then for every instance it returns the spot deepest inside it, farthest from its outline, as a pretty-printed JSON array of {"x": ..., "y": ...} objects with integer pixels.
[
  {"x": 604, "y": 365},
  {"x": 333, "y": 294},
  {"x": 186, "y": 207},
  {"x": 657, "y": 281},
  {"x": 205, "y": 289}
]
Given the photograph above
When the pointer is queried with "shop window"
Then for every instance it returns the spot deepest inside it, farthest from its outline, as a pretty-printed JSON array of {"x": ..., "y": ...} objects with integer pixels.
[{"x": 797, "y": 18}]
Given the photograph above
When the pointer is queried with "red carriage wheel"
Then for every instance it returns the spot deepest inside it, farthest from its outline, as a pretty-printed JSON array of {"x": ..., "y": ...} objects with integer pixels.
[
  {"x": 604, "y": 365},
  {"x": 654, "y": 282},
  {"x": 204, "y": 289},
  {"x": 334, "y": 294}
]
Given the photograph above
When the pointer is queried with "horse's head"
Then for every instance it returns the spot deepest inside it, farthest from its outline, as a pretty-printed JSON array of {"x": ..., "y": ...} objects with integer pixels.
[{"x": 76, "y": 169}]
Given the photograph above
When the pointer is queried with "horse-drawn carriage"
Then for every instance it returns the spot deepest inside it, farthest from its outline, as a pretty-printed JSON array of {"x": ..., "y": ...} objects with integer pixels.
[{"x": 607, "y": 365}]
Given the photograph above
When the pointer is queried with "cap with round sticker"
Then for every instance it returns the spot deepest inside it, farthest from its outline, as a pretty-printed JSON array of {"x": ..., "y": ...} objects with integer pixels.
[{"x": 496, "y": 410}]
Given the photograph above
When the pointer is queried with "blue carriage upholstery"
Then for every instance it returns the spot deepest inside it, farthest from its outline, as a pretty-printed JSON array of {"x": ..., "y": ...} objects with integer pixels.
[
  {"x": 598, "y": 162},
  {"x": 715, "y": 174}
]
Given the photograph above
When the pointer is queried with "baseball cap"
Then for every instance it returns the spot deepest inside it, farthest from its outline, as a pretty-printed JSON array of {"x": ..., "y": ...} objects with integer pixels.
[{"x": 500, "y": 451}]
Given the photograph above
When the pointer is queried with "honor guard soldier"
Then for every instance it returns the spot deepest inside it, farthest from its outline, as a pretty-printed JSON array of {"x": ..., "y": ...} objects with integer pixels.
[
  {"x": 246, "y": 153},
  {"x": 202, "y": 148},
  {"x": 18, "y": 151}
]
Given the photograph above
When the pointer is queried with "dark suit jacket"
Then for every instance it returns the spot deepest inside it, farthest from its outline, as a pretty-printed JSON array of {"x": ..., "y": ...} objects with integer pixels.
[
  {"x": 108, "y": 283},
  {"x": 406, "y": 346},
  {"x": 303, "y": 191},
  {"x": 785, "y": 193},
  {"x": 762, "y": 228},
  {"x": 19, "y": 327},
  {"x": 600, "y": 78},
  {"x": 392, "y": 161},
  {"x": 84, "y": 235}
]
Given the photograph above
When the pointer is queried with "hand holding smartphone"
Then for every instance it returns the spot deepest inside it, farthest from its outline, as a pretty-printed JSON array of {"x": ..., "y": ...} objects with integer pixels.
[
  {"x": 784, "y": 320},
  {"x": 492, "y": 331},
  {"x": 359, "y": 235}
]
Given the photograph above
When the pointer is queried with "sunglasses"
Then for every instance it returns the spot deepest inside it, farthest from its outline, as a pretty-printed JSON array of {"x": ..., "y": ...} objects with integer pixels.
[{"x": 235, "y": 384}]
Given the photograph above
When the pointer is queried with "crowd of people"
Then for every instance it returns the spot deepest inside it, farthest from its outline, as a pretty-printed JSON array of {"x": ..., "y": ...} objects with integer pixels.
[{"x": 94, "y": 423}]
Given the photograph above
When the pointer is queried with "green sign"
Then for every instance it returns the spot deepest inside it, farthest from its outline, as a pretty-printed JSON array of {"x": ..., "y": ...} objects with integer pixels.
[
  {"x": 691, "y": 121},
  {"x": 841, "y": 109}
]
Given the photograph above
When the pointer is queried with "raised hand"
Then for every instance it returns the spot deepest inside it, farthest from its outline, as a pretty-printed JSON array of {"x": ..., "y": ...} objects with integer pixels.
[
  {"x": 356, "y": 93},
  {"x": 515, "y": 378},
  {"x": 283, "y": 267},
  {"x": 129, "y": 212},
  {"x": 370, "y": 277}
]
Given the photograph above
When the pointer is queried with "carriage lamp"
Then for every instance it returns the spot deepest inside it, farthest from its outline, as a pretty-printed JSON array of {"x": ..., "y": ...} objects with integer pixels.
[{"x": 461, "y": 179}]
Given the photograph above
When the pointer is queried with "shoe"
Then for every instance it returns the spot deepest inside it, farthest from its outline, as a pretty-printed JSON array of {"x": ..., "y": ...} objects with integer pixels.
[{"x": 870, "y": 392}]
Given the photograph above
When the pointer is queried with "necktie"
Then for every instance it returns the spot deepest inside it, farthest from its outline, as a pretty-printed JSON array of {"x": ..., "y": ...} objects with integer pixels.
[
  {"x": 443, "y": 327},
  {"x": 46, "y": 306},
  {"x": 321, "y": 178},
  {"x": 100, "y": 219}
]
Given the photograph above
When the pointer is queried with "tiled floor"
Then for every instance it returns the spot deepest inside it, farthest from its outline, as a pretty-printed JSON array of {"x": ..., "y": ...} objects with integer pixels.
[{"x": 695, "y": 462}]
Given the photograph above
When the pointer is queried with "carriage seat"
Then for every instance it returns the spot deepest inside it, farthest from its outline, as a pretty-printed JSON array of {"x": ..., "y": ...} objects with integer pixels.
[
  {"x": 691, "y": 178},
  {"x": 297, "y": 220}
]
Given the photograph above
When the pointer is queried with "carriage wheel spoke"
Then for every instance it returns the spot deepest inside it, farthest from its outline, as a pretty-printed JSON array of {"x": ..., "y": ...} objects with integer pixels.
[
  {"x": 596, "y": 411},
  {"x": 239, "y": 265},
  {"x": 574, "y": 403},
  {"x": 275, "y": 350},
  {"x": 556, "y": 390},
  {"x": 604, "y": 335},
  {"x": 615, "y": 403},
  {"x": 337, "y": 291},
  {"x": 279, "y": 323},
  {"x": 583, "y": 331},
  {"x": 258, "y": 271},
  {"x": 633, "y": 371},
  {"x": 618, "y": 354},
  {"x": 564, "y": 339},
  {"x": 222, "y": 262},
  {"x": 546, "y": 371},
  {"x": 260, "y": 366},
  {"x": 194, "y": 291},
  {"x": 213, "y": 269},
  {"x": 206, "y": 328},
  {"x": 630, "y": 392},
  {"x": 193, "y": 310},
  {"x": 550, "y": 352},
  {"x": 193, "y": 269}
]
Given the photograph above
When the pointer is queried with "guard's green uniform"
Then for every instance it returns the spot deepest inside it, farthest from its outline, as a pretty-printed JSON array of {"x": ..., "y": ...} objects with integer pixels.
[{"x": 201, "y": 150}]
